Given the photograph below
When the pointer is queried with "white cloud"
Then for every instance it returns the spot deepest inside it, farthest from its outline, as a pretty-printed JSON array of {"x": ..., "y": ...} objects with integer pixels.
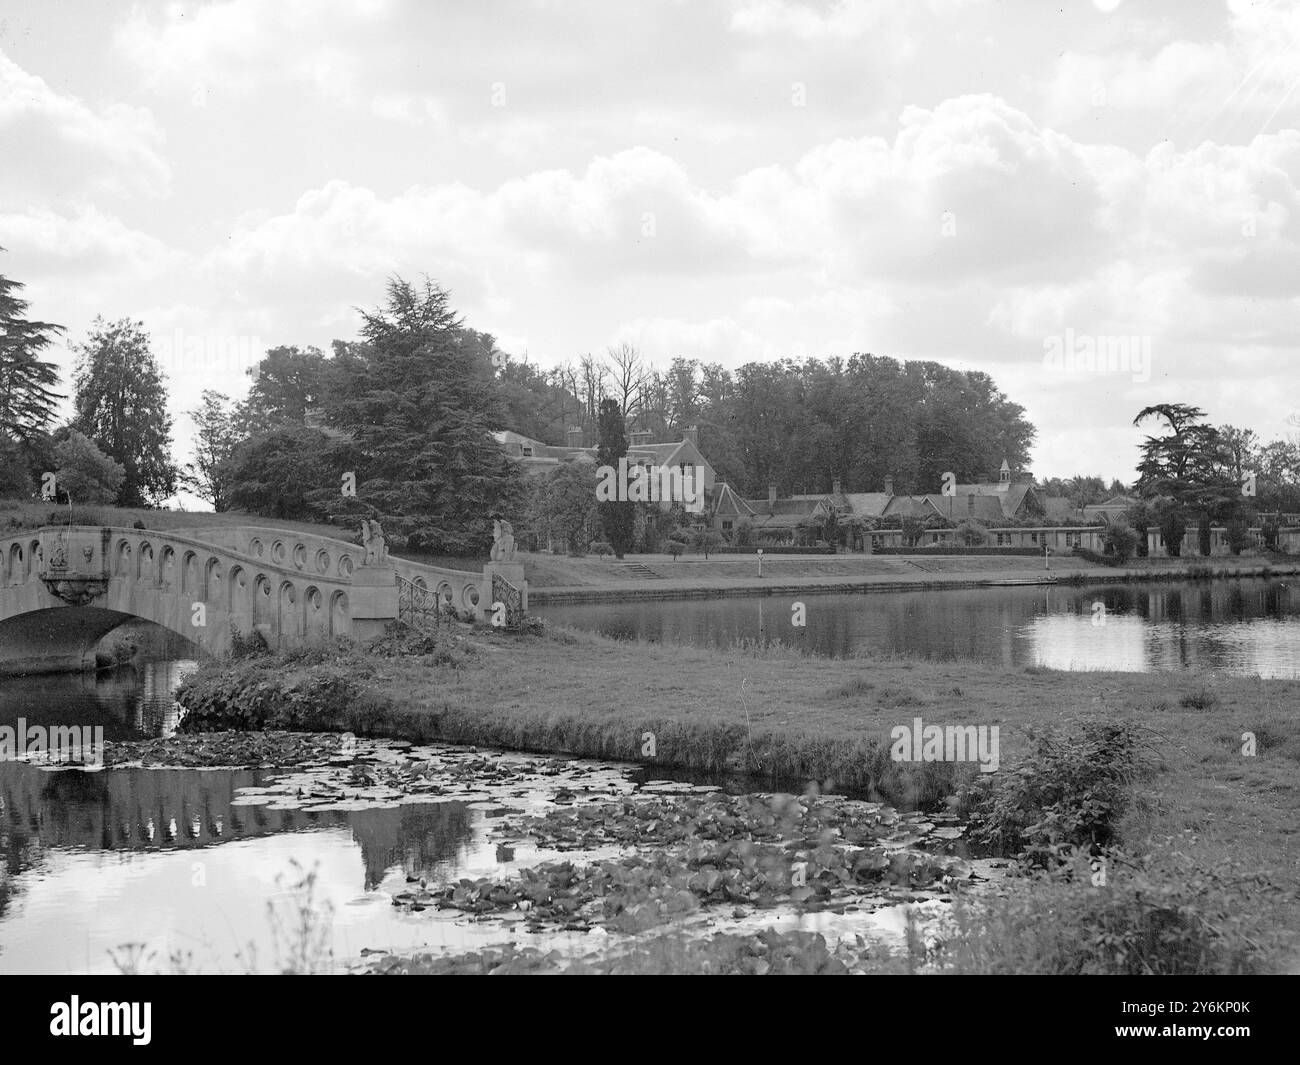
[
  {"x": 239, "y": 45},
  {"x": 54, "y": 144}
]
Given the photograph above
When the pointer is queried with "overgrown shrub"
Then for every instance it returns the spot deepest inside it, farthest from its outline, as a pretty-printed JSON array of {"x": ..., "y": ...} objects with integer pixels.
[
  {"x": 1067, "y": 794},
  {"x": 1237, "y": 536},
  {"x": 1120, "y": 541}
]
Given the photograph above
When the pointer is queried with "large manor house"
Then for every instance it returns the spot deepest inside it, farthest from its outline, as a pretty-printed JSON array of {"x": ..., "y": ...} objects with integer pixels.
[{"x": 1011, "y": 506}]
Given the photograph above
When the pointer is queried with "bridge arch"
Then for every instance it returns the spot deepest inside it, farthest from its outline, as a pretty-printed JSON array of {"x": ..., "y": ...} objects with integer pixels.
[
  {"x": 167, "y": 567},
  {"x": 289, "y": 627},
  {"x": 315, "y": 616},
  {"x": 144, "y": 562},
  {"x": 340, "y": 618}
]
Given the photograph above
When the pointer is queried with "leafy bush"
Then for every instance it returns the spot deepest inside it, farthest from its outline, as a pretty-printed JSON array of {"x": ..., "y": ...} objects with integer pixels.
[
  {"x": 601, "y": 549},
  {"x": 1066, "y": 794},
  {"x": 1238, "y": 536},
  {"x": 1121, "y": 541},
  {"x": 675, "y": 547},
  {"x": 704, "y": 539},
  {"x": 85, "y": 473},
  {"x": 1173, "y": 527},
  {"x": 264, "y": 693}
]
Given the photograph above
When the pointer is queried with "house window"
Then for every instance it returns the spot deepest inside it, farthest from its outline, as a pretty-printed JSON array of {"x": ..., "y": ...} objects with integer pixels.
[
  {"x": 726, "y": 526},
  {"x": 1074, "y": 539},
  {"x": 1004, "y": 539},
  {"x": 970, "y": 503},
  {"x": 528, "y": 452},
  {"x": 1033, "y": 538}
]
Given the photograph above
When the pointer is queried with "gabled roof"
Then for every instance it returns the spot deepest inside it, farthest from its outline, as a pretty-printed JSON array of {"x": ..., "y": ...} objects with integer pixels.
[
  {"x": 983, "y": 508},
  {"x": 726, "y": 501},
  {"x": 913, "y": 507},
  {"x": 867, "y": 504},
  {"x": 1011, "y": 497},
  {"x": 1058, "y": 507},
  {"x": 788, "y": 512}
]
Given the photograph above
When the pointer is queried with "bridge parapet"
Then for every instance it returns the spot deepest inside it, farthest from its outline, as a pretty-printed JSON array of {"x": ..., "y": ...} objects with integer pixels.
[
  {"x": 210, "y": 586},
  {"x": 305, "y": 553}
]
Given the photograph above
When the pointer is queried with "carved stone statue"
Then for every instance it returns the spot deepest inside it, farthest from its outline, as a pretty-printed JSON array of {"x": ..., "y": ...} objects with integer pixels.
[
  {"x": 372, "y": 539},
  {"x": 503, "y": 541}
]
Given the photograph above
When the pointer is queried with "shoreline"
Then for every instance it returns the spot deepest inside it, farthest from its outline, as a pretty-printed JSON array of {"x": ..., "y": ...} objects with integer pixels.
[{"x": 755, "y": 586}]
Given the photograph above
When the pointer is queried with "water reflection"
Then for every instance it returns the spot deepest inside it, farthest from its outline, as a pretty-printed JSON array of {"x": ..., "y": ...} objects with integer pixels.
[
  {"x": 130, "y": 702},
  {"x": 96, "y": 860},
  {"x": 1247, "y": 627}
]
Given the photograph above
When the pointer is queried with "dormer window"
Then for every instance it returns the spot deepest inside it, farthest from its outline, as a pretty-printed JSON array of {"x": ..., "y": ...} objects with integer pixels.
[{"x": 528, "y": 452}]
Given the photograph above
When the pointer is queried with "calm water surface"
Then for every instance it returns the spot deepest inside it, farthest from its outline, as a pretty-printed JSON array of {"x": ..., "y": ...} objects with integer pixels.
[{"x": 1241, "y": 627}]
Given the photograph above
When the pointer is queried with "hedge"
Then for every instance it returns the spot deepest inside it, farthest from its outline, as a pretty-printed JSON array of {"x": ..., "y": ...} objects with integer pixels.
[
  {"x": 773, "y": 549},
  {"x": 946, "y": 549}
]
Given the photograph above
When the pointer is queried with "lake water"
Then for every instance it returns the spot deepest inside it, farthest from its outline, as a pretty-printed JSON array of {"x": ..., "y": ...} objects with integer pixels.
[
  {"x": 210, "y": 870},
  {"x": 1243, "y": 627}
]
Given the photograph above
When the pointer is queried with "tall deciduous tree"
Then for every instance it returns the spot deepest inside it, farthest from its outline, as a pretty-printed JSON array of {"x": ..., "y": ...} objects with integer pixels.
[
  {"x": 565, "y": 505},
  {"x": 287, "y": 384},
  {"x": 417, "y": 396},
  {"x": 27, "y": 382},
  {"x": 121, "y": 404},
  {"x": 290, "y": 472},
  {"x": 208, "y": 476}
]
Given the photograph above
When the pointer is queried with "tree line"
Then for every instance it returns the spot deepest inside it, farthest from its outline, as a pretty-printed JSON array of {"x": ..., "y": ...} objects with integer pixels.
[
  {"x": 408, "y": 408},
  {"x": 799, "y": 424}
]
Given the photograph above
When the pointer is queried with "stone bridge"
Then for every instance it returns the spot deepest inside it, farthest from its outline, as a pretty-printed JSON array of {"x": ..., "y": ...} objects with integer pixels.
[{"x": 63, "y": 588}]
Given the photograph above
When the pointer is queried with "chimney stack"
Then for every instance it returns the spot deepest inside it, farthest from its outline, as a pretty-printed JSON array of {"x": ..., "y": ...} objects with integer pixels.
[
  {"x": 692, "y": 433},
  {"x": 889, "y": 485},
  {"x": 771, "y": 492},
  {"x": 575, "y": 436},
  {"x": 835, "y": 486}
]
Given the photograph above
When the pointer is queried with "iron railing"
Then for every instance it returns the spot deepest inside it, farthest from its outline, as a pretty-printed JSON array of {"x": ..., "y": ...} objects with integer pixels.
[
  {"x": 416, "y": 604},
  {"x": 511, "y": 597}
]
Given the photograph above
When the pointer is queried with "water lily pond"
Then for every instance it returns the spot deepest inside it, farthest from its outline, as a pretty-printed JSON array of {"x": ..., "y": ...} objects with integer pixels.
[{"x": 329, "y": 853}]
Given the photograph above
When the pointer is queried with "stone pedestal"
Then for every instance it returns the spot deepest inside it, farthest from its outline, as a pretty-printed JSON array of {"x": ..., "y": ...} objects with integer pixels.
[{"x": 372, "y": 600}]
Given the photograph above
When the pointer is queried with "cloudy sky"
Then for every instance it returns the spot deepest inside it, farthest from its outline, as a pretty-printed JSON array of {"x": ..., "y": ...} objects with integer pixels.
[{"x": 1001, "y": 186}]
